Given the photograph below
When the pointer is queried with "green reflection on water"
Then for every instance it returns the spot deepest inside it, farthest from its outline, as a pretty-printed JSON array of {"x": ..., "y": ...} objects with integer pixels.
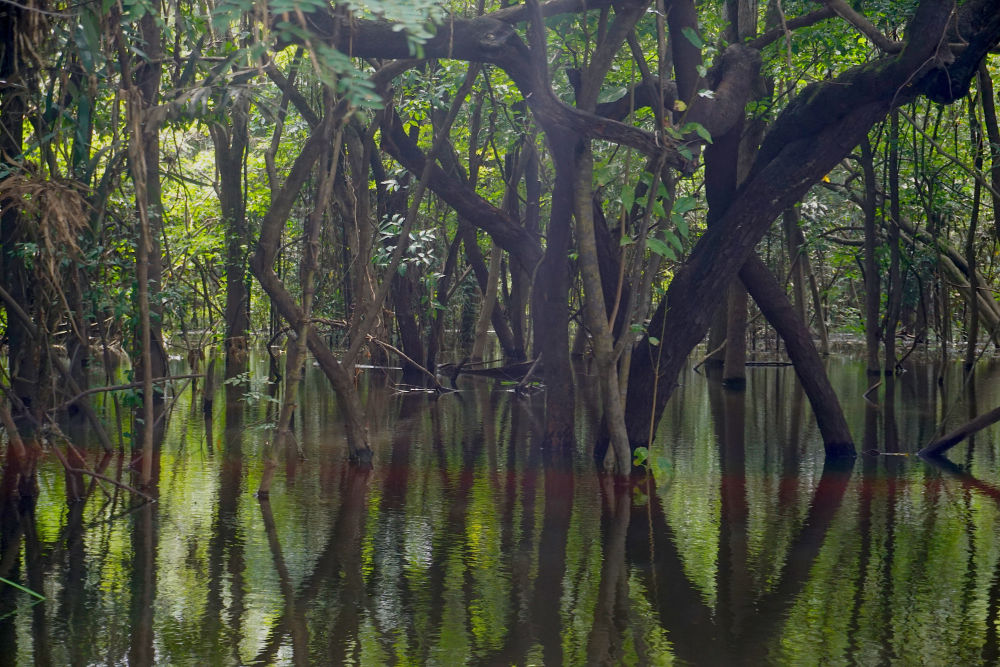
[{"x": 468, "y": 543}]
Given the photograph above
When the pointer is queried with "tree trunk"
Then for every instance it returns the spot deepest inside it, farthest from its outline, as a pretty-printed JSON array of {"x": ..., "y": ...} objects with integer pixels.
[
  {"x": 147, "y": 80},
  {"x": 23, "y": 356},
  {"x": 734, "y": 369},
  {"x": 261, "y": 263},
  {"x": 775, "y": 306},
  {"x": 489, "y": 300},
  {"x": 596, "y": 316},
  {"x": 986, "y": 96},
  {"x": 230, "y": 147},
  {"x": 551, "y": 308},
  {"x": 873, "y": 291},
  {"x": 895, "y": 289},
  {"x": 790, "y": 218},
  {"x": 972, "y": 333}
]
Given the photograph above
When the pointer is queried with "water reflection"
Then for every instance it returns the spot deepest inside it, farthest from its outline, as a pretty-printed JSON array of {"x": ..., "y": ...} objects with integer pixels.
[{"x": 473, "y": 542}]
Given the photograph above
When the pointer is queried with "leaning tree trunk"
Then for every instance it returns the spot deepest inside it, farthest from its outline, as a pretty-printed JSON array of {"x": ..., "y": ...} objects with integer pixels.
[
  {"x": 806, "y": 141},
  {"x": 773, "y": 303}
]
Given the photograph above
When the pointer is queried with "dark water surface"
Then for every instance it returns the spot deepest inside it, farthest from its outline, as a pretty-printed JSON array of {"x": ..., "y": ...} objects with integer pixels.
[{"x": 468, "y": 543}]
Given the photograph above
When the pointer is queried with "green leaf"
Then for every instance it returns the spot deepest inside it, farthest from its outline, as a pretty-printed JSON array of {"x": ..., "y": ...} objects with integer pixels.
[
  {"x": 625, "y": 240},
  {"x": 657, "y": 246},
  {"x": 681, "y": 223},
  {"x": 628, "y": 198},
  {"x": 611, "y": 94},
  {"x": 640, "y": 455},
  {"x": 692, "y": 37},
  {"x": 684, "y": 204}
]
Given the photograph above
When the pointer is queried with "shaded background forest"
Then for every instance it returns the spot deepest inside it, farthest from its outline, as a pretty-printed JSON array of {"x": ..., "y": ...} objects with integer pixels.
[{"x": 388, "y": 183}]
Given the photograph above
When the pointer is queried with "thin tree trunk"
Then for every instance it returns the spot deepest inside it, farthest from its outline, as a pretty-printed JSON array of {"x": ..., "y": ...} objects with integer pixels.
[
  {"x": 230, "y": 147},
  {"x": 895, "y": 275},
  {"x": 147, "y": 81},
  {"x": 790, "y": 218},
  {"x": 873, "y": 293},
  {"x": 596, "y": 316},
  {"x": 489, "y": 299},
  {"x": 295, "y": 357},
  {"x": 986, "y": 96},
  {"x": 824, "y": 336},
  {"x": 262, "y": 265},
  {"x": 138, "y": 167},
  {"x": 972, "y": 334}
]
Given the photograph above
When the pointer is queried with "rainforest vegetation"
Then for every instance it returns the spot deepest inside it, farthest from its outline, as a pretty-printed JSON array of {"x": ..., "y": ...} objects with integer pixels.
[
  {"x": 390, "y": 183},
  {"x": 429, "y": 331}
]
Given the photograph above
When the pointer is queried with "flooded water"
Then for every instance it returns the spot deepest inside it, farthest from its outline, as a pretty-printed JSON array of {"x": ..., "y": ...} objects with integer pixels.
[{"x": 470, "y": 544}]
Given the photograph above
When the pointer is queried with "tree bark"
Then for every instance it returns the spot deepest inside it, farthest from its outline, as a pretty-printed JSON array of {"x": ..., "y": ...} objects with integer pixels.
[
  {"x": 895, "y": 286},
  {"x": 988, "y": 100},
  {"x": 779, "y": 311},
  {"x": 147, "y": 74},
  {"x": 873, "y": 292},
  {"x": 230, "y": 147},
  {"x": 807, "y": 140},
  {"x": 261, "y": 263},
  {"x": 972, "y": 332}
]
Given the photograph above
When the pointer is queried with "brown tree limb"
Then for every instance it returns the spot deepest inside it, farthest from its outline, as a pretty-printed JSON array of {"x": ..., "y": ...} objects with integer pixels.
[
  {"x": 863, "y": 25},
  {"x": 944, "y": 443}
]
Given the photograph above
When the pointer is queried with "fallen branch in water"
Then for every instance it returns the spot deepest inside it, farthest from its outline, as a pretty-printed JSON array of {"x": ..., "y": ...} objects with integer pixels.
[
  {"x": 86, "y": 471},
  {"x": 867, "y": 394},
  {"x": 946, "y": 442},
  {"x": 437, "y": 385}
]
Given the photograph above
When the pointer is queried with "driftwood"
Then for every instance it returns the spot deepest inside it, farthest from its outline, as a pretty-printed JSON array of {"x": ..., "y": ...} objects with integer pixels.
[
  {"x": 510, "y": 372},
  {"x": 946, "y": 442}
]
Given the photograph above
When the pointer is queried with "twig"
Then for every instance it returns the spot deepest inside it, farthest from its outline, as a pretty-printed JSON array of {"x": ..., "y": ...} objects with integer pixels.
[
  {"x": 527, "y": 376},
  {"x": 86, "y": 471},
  {"x": 131, "y": 385},
  {"x": 437, "y": 385},
  {"x": 870, "y": 390}
]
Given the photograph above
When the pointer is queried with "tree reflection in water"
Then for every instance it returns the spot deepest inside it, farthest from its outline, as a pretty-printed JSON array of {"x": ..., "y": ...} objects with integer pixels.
[{"x": 475, "y": 541}]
